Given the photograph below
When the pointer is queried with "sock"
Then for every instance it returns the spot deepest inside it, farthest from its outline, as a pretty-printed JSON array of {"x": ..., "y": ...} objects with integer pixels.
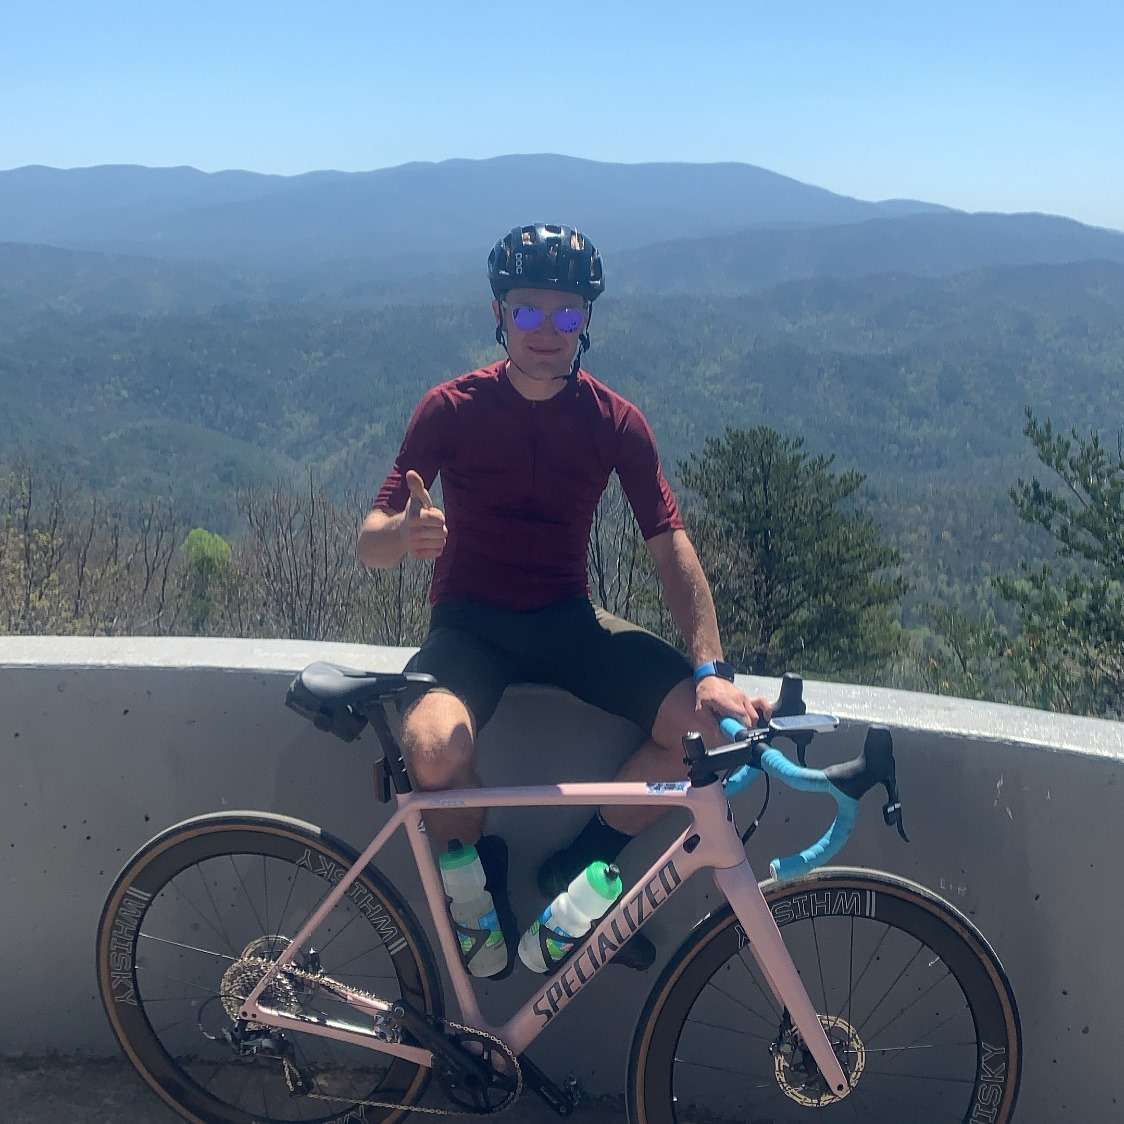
[{"x": 597, "y": 841}]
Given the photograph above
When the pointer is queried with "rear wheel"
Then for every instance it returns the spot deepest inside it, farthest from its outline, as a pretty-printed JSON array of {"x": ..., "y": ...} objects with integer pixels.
[
  {"x": 916, "y": 1004},
  {"x": 184, "y": 935}
]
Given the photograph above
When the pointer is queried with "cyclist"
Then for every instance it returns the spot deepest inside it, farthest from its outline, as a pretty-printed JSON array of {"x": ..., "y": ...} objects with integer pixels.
[{"x": 525, "y": 447}]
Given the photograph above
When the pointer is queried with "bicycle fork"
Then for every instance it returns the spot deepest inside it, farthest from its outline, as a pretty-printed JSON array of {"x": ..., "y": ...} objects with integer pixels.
[{"x": 744, "y": 895}]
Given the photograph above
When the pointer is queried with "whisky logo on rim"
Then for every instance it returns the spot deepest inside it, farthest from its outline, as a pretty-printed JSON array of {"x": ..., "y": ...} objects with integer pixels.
[
  {"x": 123, "y": 943},
  {"x": 363, "y": 900},
  {"x": 989, "y": 1088}
]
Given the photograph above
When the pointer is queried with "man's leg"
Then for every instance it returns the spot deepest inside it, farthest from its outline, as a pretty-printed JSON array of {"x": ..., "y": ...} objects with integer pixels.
[
  {"x": 437, "y": 736},
  {"x": 440, "y": 748},
  {"x": 660, "y": 758}
]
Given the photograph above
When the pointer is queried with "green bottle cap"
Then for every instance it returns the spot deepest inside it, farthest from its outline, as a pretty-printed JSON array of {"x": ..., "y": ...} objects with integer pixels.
[
  {"x": 457, "y": 856},
  {"x": 605, "y": 879}
]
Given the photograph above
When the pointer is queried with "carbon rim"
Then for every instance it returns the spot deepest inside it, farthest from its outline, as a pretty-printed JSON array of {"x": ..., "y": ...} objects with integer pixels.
[
  {"x": 906, "y": 974},
  {"x": 187, "y": 907}
]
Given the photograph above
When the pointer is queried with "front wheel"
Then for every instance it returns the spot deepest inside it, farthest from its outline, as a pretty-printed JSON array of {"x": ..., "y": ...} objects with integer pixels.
[
  {"x": 915, "y": 1002},
  {"x": 184, "y": 935}
]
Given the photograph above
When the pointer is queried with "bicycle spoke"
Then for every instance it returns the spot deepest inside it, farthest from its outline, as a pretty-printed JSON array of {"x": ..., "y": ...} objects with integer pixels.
[
  {"x": 770, "y": 1002},
  {"x": 750, "y": 1010},
  {"x": 868, "y": 1072},
  {"x": 189, "y": 947},
  {"x": 327, "y": 944},
  {"x": 897, "y": 978},
  {"x": 819, "y": 962},
  {"x": 717, "y": 1069},
  {"x": 203, "y": 917},
  {"x": 295, "y": 874},
  {"x": 730, "y": 1029},
  {"x": 211, "y": 899},
  {"x": 265, "y": 883},
  {"x": 866, "y": 967},
  {"x": 238, "y": 874},
  {"x": 873, "y": 1036}
]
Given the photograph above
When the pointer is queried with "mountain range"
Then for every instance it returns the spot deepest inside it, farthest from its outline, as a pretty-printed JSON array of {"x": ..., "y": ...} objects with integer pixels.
[{"x": 131, "y": 239}]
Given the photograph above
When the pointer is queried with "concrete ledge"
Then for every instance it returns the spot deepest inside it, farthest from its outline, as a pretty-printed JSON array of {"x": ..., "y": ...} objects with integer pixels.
[{"x": 1015, "y": 816}]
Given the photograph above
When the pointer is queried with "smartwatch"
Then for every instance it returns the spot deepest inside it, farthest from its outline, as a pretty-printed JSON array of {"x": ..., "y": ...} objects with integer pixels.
[{"x": 720, "y": 668}]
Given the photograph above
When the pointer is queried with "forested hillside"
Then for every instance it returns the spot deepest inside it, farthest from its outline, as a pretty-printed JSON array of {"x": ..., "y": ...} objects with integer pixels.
[{"x": 918, "y": 383}]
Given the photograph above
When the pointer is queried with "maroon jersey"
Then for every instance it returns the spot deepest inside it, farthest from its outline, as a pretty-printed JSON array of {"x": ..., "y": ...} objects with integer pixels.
[{"x": 521, "y": 481}]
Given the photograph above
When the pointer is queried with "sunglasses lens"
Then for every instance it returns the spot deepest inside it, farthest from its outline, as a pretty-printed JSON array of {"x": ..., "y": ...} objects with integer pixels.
[
  {"x": 569, "y": 319},
  {"x": 527, "y": 318}
]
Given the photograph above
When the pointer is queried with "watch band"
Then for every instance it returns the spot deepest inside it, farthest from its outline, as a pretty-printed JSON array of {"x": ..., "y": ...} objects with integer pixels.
[{"x": 714, "y": 667}]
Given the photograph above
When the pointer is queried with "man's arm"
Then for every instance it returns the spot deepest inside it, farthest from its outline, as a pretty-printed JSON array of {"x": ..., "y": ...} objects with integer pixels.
[
  {"x": 404, "y": 519},
  {"x": 381, "y": 542},
  {"x": 688, "y": 596},
  {"x": 386, "y": 538}
]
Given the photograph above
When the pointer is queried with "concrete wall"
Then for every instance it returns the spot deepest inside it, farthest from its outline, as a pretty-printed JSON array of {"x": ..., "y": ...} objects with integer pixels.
[{"x": 1017, "y": 817}]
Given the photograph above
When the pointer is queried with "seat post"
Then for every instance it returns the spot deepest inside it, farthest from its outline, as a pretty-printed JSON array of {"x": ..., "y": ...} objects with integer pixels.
[{"x": 392, "y": 751}]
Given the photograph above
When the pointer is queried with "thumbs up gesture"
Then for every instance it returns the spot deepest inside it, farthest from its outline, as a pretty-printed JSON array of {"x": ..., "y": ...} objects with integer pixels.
[{"x": 424, "y": 525}]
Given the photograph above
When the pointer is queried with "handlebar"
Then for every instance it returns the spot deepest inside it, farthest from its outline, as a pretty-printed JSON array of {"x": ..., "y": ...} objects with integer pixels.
[{"x": 751, "y": 753}]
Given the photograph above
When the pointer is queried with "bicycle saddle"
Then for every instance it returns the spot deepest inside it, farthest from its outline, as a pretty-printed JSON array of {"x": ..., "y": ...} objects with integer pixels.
[{"x": 334, "y": 698}]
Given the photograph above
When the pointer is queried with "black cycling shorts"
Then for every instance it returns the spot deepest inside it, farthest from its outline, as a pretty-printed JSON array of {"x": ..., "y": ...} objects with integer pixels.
[{"x": 476, "y": 650}]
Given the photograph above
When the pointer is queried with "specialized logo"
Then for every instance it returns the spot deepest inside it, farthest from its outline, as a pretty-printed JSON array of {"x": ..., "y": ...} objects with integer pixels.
[
  {"x": 607, "y": 939},
  {"x": 518, "y": 264},
  {"x": 362, "y": 898},
  {"x": 122, "y": 945}
]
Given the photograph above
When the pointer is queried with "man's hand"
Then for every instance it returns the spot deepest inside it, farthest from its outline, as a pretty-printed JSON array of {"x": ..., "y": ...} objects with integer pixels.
[
  {"x": 423, "y": 529},
  {"x": 726, "y": 700}
]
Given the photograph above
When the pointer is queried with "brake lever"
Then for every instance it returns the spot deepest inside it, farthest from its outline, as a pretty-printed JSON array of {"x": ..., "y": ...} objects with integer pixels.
[{"x": 892, "y": 809}]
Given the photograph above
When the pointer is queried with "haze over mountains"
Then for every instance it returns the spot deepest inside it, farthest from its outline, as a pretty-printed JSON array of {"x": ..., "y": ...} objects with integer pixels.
[
  {"x": 407, "y": 213},
  {"x": 151, "y": 240}
]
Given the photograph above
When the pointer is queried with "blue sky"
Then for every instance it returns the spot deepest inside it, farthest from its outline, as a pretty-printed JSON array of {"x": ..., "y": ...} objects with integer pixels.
[{"x": 1001, "y": 106}]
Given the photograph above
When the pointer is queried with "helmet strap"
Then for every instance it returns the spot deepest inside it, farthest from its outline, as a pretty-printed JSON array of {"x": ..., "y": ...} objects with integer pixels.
[{"x": 583, "y": 345}]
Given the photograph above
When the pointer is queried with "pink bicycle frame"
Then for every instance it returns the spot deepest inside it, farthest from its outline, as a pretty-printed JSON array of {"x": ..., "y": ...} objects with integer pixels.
[{"x": 711, "y": 841}]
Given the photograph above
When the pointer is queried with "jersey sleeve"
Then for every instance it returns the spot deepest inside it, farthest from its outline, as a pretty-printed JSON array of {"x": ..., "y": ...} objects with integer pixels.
[
  {"x": 424, "y": 449},
  {"x": 641, "y": 476}
]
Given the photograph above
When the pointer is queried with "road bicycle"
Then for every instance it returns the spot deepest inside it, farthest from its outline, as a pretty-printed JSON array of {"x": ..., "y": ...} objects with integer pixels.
[{"x": 256, "y": 969}]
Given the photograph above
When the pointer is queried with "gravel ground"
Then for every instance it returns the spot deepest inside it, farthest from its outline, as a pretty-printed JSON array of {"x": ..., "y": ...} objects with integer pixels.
[{"x": 62, "y": 1090}]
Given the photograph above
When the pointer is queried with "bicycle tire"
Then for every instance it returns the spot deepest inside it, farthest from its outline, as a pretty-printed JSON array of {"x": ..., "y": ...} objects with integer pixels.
[
  {"x": 134, "y": 947},
  {"x": 669, "y": 1082}
]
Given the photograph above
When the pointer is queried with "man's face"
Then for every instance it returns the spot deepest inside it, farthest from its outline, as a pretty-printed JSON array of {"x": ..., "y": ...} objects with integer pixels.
[{"x": 544, "y": 352}]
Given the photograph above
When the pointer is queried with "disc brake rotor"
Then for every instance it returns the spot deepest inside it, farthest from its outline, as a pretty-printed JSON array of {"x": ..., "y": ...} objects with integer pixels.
[{"x": 799, "y": 1077}]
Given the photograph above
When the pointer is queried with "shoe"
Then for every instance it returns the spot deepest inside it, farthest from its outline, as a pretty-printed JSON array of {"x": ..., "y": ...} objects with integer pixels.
[
  {"x": 556, "y": 873},
  {"x": 493, "y": 858}
]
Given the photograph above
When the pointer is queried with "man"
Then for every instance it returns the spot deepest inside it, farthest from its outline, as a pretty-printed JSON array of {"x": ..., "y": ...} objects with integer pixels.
[{"x": 525, "y": 448}]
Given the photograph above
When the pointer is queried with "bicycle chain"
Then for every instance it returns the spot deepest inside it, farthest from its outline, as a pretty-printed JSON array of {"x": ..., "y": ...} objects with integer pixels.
[{"x": 321, "y": 981}]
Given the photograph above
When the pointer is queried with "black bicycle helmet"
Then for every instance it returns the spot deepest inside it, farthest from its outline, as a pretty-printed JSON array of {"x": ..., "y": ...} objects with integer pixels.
[{"x": 545, "y": 256}]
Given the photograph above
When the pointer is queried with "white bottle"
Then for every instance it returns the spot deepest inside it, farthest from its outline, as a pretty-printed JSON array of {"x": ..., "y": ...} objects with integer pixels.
[
  {"x": 471, "y": 907},
  {"x": 585, "y": 901}
]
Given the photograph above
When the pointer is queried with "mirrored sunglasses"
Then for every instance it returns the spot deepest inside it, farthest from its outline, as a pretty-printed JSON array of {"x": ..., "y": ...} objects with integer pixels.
[{"x": 527, "y": 318}]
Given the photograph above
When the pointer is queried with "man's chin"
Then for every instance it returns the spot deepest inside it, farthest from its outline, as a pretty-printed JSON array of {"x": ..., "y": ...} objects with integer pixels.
[{"x": 546, "y": 366}]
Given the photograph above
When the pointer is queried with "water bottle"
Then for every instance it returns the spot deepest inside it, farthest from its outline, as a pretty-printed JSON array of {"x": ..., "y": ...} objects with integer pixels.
[
  {"x": 471, "y": 907},
  {"x": 585, "y": 901}
]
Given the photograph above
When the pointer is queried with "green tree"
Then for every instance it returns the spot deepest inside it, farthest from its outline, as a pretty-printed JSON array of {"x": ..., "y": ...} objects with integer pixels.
[
  {"x": 1071, "y": 644},
  {"x": 799, "y": 582},
  {"x": 207, "y": 558}
]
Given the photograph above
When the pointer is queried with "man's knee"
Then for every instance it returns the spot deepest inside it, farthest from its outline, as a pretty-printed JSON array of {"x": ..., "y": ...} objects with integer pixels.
[
  {"x": 677, "y": 716},
  {"x": 437, "y": 735}
]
